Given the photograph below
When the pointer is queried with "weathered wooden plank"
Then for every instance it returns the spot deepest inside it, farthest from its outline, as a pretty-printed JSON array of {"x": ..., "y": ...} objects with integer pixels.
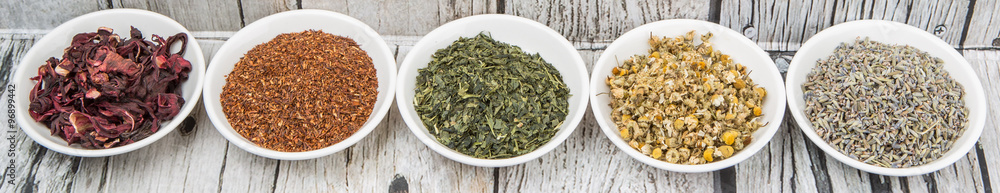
[
  {"x": 210, "y": 42},
  {"x": 984, "y": 27},
  {"x": 245, "y": 172},
  {"x": 388, "y": 17},
  {"x": 963, "y": 176},
  {"x": 21, "y": 167},
  {"x": 401, "y": 45},
  {"x": 785, "y": 25},
  {"x": 987, "y": 66},
  {"x": 19, "y": 14},
  {"x": 194, "y": 15},
  {"x": 897, "y": 189},
  {"x": 945, "y": 19},
  {"x": 91, "y": 175},
  {"x": 402, "y": 17},
  {"x": 54, "y": 172},
  {"x": 603, "y": 20},
  {"x": 777, "y": 25},
  {"x": 917, "y": 183},
  {"x": 844, "y": 178},
  {"x": 253, "y": 173},
  {"x": 786, "y": 164},
  {"x": 321, "y": 174},
  {"x": 252, "y": 10}
]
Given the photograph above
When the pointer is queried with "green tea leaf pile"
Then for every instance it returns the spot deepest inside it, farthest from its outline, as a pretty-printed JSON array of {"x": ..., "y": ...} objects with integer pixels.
[{"x": 489, "y": 99}]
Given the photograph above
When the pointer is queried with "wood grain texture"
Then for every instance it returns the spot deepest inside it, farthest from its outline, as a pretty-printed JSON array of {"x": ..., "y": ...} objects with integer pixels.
[
  {"x": 91, "y": 175},
  {"x": 603, "y": 20},
  {"x": 777, "y": 25},
  {"x": 944, "y": 19},
  {"x": 391, "y": 158},
  {"x": 403, "y": 17},
  {"x": 245, "y": 172},
  {"x": 785, "y": 25},
  {"x": 195, "y": 15},
  {"x": 986, "y": 63},
  {"x": 18, "y": 14},
  {"x": 252, "y": 10},
  {"x": 389, "y": 152},
  {"x": 388, "y": 17},
  {"x": 788, "y": 156},
  {"x": 984, "y": 27},
  {"x": 28, "y": 154},
  {"x": 963, "y": 176}
]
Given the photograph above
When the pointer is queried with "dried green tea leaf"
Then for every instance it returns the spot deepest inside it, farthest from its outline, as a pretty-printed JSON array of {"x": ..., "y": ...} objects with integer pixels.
[{"x": 489, "y": 99}]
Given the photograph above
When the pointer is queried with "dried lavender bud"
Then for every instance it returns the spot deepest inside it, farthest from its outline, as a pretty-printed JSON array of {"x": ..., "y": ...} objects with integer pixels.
[{"x": 886, "y": 105}]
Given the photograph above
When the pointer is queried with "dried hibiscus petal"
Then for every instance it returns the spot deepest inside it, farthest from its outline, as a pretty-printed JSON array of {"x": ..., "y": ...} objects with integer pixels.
[{"x": 108, "y": 92}]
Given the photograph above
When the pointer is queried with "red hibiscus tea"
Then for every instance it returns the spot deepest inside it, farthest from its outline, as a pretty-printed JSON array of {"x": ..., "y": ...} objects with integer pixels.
[{"x": 108, "y": 91}]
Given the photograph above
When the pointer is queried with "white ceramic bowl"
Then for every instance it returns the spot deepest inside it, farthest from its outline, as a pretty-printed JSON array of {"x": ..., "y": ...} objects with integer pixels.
[
  {"x": 739, "y": 48},
  {"x": 267, "y": 28},
  {"x": 532, "y": 37},
  {"x": 120, "y": 20},
  {"x": 822, "y": 45}
]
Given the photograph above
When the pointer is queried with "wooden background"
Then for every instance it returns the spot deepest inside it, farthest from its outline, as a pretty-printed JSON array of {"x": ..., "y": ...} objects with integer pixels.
[{"x": 390, "y": 159}]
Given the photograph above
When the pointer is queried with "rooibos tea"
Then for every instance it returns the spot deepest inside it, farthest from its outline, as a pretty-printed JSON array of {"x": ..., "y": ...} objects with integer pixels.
[{"x": 301, "y": 91}]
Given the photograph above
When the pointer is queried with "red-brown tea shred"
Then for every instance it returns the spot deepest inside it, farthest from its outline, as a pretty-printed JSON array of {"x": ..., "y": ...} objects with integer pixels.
[{"x": 301, "y": 91}]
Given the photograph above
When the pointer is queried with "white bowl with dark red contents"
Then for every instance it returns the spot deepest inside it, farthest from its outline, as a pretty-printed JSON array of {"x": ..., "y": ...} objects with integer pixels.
[
  {"x": 738, "y": 47},
  {"x": 266, "y": 29},
  {"x": 120, "y": 21}
]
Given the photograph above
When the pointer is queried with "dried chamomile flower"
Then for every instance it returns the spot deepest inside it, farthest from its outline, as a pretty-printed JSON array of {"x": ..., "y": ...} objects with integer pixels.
[
  {"x": 685, "y": 102},
  {"x": 726, "y": 151}
]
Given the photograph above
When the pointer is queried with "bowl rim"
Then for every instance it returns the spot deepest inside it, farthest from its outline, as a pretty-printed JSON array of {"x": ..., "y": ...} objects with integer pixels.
[
  {"x": 378, "y": 113},
  {"x": 423, "y": 45},
  {"x": 974, "y": 128},
  {"x": 197, "y": 62},
  {"x": 769, "y": 130}
]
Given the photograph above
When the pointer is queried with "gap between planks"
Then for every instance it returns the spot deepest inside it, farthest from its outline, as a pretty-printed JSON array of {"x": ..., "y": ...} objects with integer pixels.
[{"x": 410, "y": 40}]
